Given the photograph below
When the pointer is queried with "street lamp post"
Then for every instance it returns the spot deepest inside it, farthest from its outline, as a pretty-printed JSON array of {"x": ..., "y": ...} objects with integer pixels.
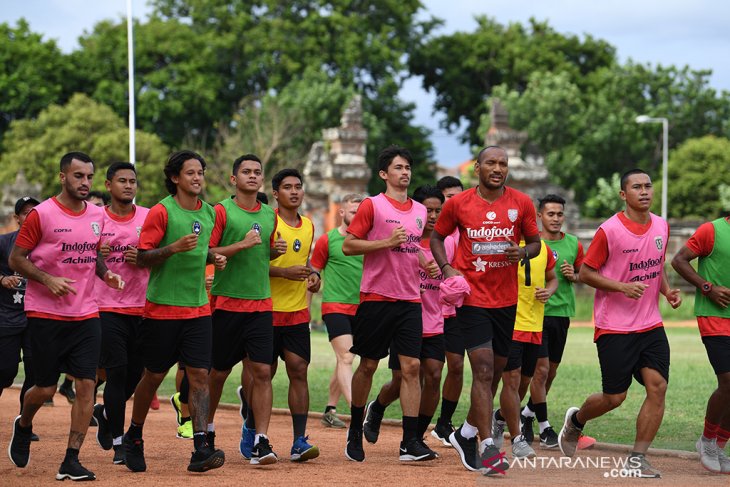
[{"x": 665, "y": 155}]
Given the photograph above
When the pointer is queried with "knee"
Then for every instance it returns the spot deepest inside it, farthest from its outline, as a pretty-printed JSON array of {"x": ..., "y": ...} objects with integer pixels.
[
  {"x": 297, "y": 371},
  {"x": 614, "y": 400},
  {"x": 456, "y": 366},
  {"x": 432, "y": 378},
  {"x": 261, "y": 373},
  {"x": 198, "y": 378},
  {"x": 482, "y": 370},
  {"x": 657, "y": 389},
  {"x": 723, "y": 383},
  {"x": 345, "y": 358},
  {"x": 367, "y": 367},
  {"x": 410, "y": 367}
]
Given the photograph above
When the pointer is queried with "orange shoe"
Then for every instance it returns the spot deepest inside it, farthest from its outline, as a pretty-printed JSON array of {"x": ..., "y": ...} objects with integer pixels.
[
  {"x": 586, "y": 442},
  {"x": 155, "y": 405}
]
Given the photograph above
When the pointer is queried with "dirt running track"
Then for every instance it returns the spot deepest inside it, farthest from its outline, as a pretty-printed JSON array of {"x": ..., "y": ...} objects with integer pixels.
[{"x": 167, "y": 458}]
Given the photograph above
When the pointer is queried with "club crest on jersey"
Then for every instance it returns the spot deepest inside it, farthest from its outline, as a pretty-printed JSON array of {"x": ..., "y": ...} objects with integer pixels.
[
  {"x": 297, "y": 245},
  {"x": 512, "y": 214},
  {"x": 139, "y": 231},
  {"x": 419, "y": 223},
  {"x": 95, "y": 228},
  {"x": 555, "y": 255},
  {"x": 659, "y": 243},
  {"x": 197, "y": 228},
  {"x": 256, "y": 228},
  {"x": 491, "y": 215}
]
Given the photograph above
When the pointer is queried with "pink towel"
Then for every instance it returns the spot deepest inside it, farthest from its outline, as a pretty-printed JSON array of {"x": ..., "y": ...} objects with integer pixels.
[{"x": 453, "y": 291}]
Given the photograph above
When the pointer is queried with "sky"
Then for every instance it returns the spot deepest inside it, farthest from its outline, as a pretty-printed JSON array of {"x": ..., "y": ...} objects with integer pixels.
[{"x": 664, "y": 32}]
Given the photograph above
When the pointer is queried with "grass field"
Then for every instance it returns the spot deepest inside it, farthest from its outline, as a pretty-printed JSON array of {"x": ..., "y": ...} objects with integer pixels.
[{"x": 691, "y": 382}]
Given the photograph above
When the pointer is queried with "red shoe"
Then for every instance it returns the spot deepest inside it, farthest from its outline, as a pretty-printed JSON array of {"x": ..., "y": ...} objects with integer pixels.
[
  {"x": 585, "y": 442},
  {"x": 155, "y": 405}
]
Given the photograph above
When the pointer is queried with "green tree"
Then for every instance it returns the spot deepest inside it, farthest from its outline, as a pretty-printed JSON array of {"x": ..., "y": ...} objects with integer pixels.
[
  {"x": 698, "y": 172},
  {"x": 32, "y": 73},
  {"x": 36, "y": 146}
]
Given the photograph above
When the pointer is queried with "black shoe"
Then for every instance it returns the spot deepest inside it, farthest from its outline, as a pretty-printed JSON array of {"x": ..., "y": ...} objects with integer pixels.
[
  {"x": 19, "y": 449},
  {"x": 423, "y": 443},
  {"x": 549, "y": 438},
  {"x": 134, "y": 454},
  {"x": 354, "y": 450},
  {"x": 262, "y": 453},
  {"x": 72, "y": 469},
  {"x": 371, "y": 426},
  {"x": 526, "y": 427},
  {"x": 67, "y": 392},
  {"x": 492, "y": 461},
  {"x": 415, "y": 450},
  {"x": 34, "y": 437},
  {"x": 210, "y": 439},
  {"x": 103, "y": 434},
  {"x": 206, "y": 458},
  {"x": 467, "y": 448},
  {"x": 119, "y": 456},
  {"x": 442, "y": 432}
]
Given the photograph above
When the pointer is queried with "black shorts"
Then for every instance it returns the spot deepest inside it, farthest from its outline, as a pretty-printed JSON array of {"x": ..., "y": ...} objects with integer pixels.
[
  {"x": 624, "y": 355},
  {"x": 338, "y": 324},
  {"x": 432, "y": 347},
  {"x": 12, "y": 341},
  {"x": 482, "y": 325},
  {"x": 293, "y": 338},
  {"x": 718, "y": 351},
  {"x": 377, "y": 324},
  {"x": 121, "y": 339},
  {"x": 524, "y": 356},
  {"x": 70, "y": 347},
  {"x": 239, "y": 335},
  {"x": 555, "y": 335},
  {"x": 167, "y": 342},
  {"x": 452, "y": 336}
]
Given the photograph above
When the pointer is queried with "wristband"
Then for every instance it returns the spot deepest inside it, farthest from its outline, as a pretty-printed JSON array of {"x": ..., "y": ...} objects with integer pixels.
[
  {"x": 315, "y": 272},
  {"x": 444, "y": 265}
]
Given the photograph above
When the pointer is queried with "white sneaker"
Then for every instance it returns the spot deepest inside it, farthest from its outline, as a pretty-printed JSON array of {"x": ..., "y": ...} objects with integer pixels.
[
  {"x": 724, "y": 461},
  {"x": 709, "y": 454},
  {"x": 497, "y": 431},
  {"x": 522, "y": 449}
]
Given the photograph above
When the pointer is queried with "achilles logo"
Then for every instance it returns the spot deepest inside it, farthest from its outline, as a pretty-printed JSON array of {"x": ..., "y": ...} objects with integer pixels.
[
  {"x": 79, "y": 260},
  {"x": 79, "y": 247},
  {"x": 491, "y": 233}
]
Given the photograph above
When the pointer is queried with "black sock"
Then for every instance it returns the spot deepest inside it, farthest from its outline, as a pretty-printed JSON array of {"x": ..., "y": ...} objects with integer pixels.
[
  {"x": 135, "y": 431},
  {"x": 200, "y": 439},
  {"x": 299, "y": 423},
  {"x": 447, "y": 411},
  {"x": 540, "y": 411},
  {"x": 185, "y": 419},
  {"x": 245, "y": 409},
  {"x": 66, "y": 382},
  {"x": 410, "y": 428},
  {"x": 377, "y": 407},
  {"x": 498, "y": 415},
  {"x": 184, "y": 389},
  {"x": 576, "y": 423},
  {"x": 71, "y": 453},
  {"x": 250, "y": 420},
  {"x": 356, "y": 416},
  {"x": 114, "y": 399},
  {"x": 531, "y": 405},
  {"x": 423, "y": 422},
  {"x": 329, "y": 408}
]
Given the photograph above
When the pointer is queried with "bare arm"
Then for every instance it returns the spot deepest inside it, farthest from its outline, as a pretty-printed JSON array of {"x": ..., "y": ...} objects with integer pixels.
[
  {"x": 155, "y": 257},
  {"x": 542, "y": 294},
  {"x": 18, "y": 261},
  {"x": 438, "y": 250},
  {"x": 357, "y": 246},
  {"x": 251, "y": 239},
  {"x": 591, "y": 277}
]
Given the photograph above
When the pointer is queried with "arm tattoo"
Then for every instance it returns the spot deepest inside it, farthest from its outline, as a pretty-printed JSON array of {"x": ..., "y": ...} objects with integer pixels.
[
  {"x": 101, "y": 268},
  {"x": 153, "y": 257}
]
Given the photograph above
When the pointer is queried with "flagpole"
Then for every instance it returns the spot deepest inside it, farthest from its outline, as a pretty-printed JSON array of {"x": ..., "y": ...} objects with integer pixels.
[{"x": 130, "y": 66}]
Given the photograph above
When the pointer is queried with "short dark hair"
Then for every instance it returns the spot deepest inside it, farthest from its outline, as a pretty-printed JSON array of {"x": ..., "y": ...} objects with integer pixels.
[
  {"x": 118, "y": 166},
  {"x": 67, "y": 158},
  {"x": 447, "y": 182},
  {"x": 625, "y": 176},
  {"x": 245, "y": 157},
  {"x": 174, "y": 166},
  {"x": 550, "y": 198},
  {"x": 262, "y": 198},
  {"x": 481, "y": 152},
  {"x": 102, "y": 195},
  {"x": 285, "y": 173},
  {"x": 387, "y": 155},
  {"x": 422, "y": 193}
]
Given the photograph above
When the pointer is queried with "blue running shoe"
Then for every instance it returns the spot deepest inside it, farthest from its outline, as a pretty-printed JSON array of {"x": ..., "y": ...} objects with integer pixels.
[
  {"x": 246, "y": 444},
  {"x": 301, "y": 450}
]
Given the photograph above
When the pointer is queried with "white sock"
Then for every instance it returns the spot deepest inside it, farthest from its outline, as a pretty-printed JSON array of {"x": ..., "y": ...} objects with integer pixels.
[
  {"x": 257, "y": 438},
  {"x": 468, "y": 431},
  {"x": 484, "y": 444},
  {"x": 211, "y": 427},
  {"x": 543, "y": 425},
  {"x": 527, "y": 412},
  {"x": 117, "y": 441}
]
